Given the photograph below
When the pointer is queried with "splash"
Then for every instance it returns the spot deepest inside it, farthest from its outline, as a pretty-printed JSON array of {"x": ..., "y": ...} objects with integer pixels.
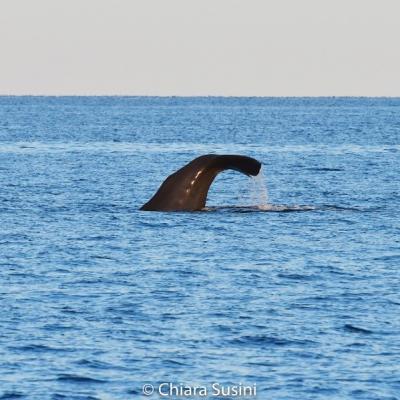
[
  {"x": 252, "y": 196},
  {"x": 259, "y": 191}
]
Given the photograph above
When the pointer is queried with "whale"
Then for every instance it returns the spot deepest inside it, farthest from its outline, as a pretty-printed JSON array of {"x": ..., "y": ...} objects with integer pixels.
[{"x": 187, "y": 188}]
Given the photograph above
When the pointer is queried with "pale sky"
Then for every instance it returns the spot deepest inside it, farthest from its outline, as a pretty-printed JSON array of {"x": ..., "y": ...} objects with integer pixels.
[{"x": 200, "y": 47}]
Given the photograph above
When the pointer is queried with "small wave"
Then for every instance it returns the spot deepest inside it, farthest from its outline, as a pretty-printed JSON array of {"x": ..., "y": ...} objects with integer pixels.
[
  {"x": 283, "y": 208},
  {"x": 95, "y": 364},
  {"x": 78, "y": 379},
  {"x": 40, "y": 348},
  {"x": 356, "y": 329},
  {"x": 268, "y": 340},
  {"x": 389, "y": 257},
  {"x": 172, "y": 363},
  {"x": 11, "y": 395},
  {"x": 325, "y": 169},
  {"x": 261, "y": 208},
  {"x": 58, "y": 396},
  {"x": 296, "y": 277},
  {"x": 70, "y": 310},
  {"x": 330, "y": 207},
  {"x": 135, "y": 392},
  {"x": 59, "y": 327}
]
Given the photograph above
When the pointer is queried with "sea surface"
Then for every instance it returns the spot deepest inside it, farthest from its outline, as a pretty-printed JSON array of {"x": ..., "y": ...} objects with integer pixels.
[{"x": 300, "y": 299}]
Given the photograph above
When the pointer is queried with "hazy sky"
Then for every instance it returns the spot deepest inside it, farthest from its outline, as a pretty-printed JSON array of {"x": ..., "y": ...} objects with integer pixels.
[{"x": 200, "y": 47}]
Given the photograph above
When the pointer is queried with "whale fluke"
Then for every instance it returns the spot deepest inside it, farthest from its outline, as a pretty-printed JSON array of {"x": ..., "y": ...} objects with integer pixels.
[{"x": 187, "y": 188}]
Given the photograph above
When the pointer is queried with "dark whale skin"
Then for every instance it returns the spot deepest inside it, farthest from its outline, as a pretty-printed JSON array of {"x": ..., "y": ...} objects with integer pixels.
[{"x": 187, "y": 188}]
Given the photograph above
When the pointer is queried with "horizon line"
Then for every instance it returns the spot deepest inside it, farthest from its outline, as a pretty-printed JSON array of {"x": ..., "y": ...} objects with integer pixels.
[{"x": 202, "y": 96}]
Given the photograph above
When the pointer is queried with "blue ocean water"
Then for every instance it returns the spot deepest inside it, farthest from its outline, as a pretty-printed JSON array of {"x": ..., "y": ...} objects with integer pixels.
[{"x": 99, "y": 298}]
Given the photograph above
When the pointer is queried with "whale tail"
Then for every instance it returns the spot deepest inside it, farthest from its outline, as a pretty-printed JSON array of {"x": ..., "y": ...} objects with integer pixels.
[
  {"x": 187, "y": 188},
  {"x": 246, "y": 165}
]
